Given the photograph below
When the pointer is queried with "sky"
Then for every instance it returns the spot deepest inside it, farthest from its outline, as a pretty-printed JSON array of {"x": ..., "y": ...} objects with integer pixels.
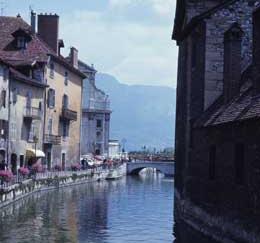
[{"x": 129, "y": 39}]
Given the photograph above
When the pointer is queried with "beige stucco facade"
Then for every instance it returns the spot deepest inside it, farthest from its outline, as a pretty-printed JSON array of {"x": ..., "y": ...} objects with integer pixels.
[{"x": 62, "y": 147}]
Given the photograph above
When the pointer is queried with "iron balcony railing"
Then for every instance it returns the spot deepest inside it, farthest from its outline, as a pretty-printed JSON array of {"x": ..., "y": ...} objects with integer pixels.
[
  {"x": 32, "y": 113},
  {"x": 52, "y": 139},
  {"x": 67, "y": 114}
]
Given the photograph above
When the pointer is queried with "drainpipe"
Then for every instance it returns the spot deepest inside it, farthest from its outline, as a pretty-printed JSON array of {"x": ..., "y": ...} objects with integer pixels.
[
  {"x": 9, "y": 116},
  {"x": 44, "y": 116}
]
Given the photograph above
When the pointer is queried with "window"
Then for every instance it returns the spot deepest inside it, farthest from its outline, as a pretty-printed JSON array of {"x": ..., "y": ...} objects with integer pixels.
[
  {"x": 50, "y": 126},
  {"x": 51, "y": 98},
  {"x": 65, "y": 129},
  {"x": 52, "y": 70},
  {"x": 40, "y": 105},
  {"x": 99, "y": 123},
  {"x": 239, "y": 163},
  {"x": 15, "y": 92},
  {"x": 66, "y": 78},
  {"x": 3, "y": 98},
  {"x": 5, "y": 74},
  {"x": 29, "y": 98},
  {"x": 21, "y": 160},
  {"x": 65, "y": 102},
  {"x": 21, "y": 42},
  {"x": 212, "y": 162},
  {"x": 98, "y": 134}
]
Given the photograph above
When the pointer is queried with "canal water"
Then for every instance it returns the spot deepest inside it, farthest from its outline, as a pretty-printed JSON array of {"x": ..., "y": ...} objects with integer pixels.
[{"x": 132, "y": 209}]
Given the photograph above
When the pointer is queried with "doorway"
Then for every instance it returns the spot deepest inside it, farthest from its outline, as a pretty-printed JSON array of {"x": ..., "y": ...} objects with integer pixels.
[
  {"x": 63, "y": 160},
  {"x": 49, "y": 160},
  {"x": 14, "y": 163}
]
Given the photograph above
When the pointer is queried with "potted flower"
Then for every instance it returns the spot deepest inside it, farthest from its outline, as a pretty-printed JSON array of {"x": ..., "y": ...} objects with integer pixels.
[
  {"x": 76, "y": 167},
  {"x": 6, "y": 175},
  {"x": 37, "y": 168},
  {"x": 58, "y": 167},
  {"x": 24, "y": 171}
]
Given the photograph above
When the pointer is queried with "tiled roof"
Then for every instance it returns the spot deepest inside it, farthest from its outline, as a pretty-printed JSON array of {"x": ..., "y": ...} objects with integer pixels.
[
  {"x": 36, "y": 51},
  {"x": 242, "y": 107},
  {"x": 36, "y": 48}
]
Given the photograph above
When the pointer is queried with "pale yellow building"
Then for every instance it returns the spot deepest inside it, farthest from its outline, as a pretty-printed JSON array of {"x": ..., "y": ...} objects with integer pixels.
[{"x": 63, "y": 110}]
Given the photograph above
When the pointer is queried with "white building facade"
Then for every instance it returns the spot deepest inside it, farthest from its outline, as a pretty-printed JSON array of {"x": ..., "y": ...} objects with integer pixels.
[{"x": 95, "y": 117}]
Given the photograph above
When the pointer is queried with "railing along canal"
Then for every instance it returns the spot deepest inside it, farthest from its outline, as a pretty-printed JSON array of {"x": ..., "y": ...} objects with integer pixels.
[{"x": 52, "y": 174}]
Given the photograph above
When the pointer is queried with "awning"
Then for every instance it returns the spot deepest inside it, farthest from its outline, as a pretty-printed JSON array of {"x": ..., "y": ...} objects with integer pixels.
[{"x": 31, "y": 153}]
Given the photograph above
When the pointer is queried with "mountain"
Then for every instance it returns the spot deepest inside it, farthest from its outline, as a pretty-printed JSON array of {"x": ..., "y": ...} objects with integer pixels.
[{"x": 143, "y": 115}]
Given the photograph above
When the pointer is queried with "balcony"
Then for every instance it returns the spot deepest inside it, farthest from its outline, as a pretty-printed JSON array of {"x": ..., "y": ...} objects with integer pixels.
[
  {"x": 32, "y": 113},
  {"x": 67, "y": 114},
  {"x": 96, "y": 106},
  {"x": 52, "y": 139}
]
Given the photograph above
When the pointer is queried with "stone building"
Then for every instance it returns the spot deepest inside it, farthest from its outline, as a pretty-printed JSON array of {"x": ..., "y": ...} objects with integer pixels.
[
  {"x": 96, "y": 112},
  {"x": 217, "y": 147},
  {"x": 4, "y": 114},
  {"x": 26, "y": 120},
  {"x": 36, "y": 55}
]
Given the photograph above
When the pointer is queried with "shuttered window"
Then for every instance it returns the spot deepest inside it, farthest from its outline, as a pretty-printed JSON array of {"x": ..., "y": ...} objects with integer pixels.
[
  {"x": 51, "y": 98},
  {"x": 3, "y": 98},
  {"x": 52, "y": 70},
  {"x": 65, "y": 101}
]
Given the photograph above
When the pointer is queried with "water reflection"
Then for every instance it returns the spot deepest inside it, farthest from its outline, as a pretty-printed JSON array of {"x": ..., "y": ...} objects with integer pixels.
[{"x": 134, "y": 209}]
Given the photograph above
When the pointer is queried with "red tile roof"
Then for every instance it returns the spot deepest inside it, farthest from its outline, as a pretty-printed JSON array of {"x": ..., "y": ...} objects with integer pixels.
[{"x": 36, "y": 50}]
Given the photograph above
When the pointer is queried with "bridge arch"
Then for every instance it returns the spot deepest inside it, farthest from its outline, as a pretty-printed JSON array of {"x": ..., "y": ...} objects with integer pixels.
[{"x": 164, "y": 167}]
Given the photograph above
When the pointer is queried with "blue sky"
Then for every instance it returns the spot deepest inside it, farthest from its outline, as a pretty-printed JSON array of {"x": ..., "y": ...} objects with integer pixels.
[{"x": 130, "y": 39}]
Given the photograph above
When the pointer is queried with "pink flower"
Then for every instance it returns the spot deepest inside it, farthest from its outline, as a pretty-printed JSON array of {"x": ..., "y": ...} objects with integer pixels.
[
  {"x": 37, "y": 167},
  {"x": 58, "y": 167},
  {"x": 24, "y": 171},
  {"x": 76, "y": 166},
  {"x": 6, "y": 175}
]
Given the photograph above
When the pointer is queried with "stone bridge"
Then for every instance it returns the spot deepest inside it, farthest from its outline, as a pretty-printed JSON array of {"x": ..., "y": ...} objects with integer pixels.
[{"x": 167, "y": 168}]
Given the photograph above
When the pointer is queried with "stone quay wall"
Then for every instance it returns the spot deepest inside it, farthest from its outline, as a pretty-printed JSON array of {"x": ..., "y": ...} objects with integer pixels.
[{"x": 49, "y": 181}]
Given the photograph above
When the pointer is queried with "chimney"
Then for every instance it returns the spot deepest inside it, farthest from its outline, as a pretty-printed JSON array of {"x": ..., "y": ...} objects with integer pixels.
[
  {"x": 48, "y": 30},
  {"x": 33, "y": 21},
  {"x": 74, "y": 57},
  {"x": 256, "y": 52},
  {"x": 232, "y": 61}
]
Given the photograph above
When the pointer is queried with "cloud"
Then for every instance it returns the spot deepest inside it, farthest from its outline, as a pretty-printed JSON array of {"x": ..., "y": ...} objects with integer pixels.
[{"x": 126, "y": 40}]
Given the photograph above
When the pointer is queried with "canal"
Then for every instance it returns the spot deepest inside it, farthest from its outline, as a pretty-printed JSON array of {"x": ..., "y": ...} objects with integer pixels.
[{"x": 133, "y": 209}]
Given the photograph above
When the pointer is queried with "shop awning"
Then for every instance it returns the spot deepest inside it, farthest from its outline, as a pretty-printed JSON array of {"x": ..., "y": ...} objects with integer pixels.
[{"x": 31, "y": 153}]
